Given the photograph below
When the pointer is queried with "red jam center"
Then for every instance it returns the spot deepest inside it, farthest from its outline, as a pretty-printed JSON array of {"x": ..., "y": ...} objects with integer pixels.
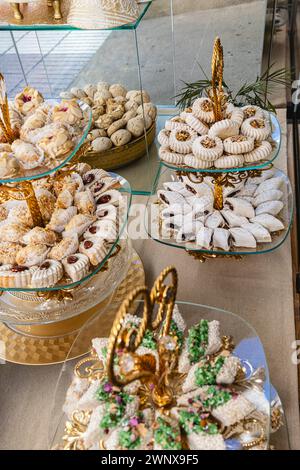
[
  {"x": 19, "y": 269},
  {"x": 88, "y": 244},
  {"x": 45, "y": 265},
  {"x": 104, "y": 199},
  {"x": 26, "y": 98},
  {"x": 72, "y": 259},
  {"x": 87, "y": 179}
]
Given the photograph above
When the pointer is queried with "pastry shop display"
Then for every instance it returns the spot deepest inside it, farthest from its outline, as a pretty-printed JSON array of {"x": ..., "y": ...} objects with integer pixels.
[
  {"x": 40, "y": 135},
  {"x": 165, "y": 383},
  {"x": 192, "y": 211},
  {"x": 216, "y": 133},
  {"x": 121, "y": 120},
  {"x": 82, "y": 223}
]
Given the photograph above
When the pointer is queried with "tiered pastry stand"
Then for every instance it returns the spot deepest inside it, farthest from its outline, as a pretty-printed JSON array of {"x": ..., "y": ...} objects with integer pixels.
[
  {"x": 39, "y": 327},
  {"x": 221, "y": 179},
  {"x": 238, "y": 337}
]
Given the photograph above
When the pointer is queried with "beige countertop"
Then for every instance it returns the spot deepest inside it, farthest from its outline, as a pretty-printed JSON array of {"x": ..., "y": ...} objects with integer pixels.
[{"x": 258, "y": 288}]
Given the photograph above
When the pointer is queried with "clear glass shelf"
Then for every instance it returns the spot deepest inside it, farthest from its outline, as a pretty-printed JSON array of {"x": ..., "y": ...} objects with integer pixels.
[
  {"x": 38, "y": 17},
  {"x": 26, "y": 308},
  {"x": 41, "y": 172},
  {"x": 152, "y": 220},
  {"x": 248, "y": 348},
  {"x": 125, "y": 189},
  {"x": 276, "y": 137}
]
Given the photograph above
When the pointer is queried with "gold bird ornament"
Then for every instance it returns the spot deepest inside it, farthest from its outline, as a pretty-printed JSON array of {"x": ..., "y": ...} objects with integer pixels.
[{"x": 156, "y": 384}]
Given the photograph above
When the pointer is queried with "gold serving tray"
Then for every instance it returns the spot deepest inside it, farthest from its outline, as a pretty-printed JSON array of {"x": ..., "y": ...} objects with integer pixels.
[
  {"x": 121, "y": 156},
  {"x": 51, "y": 344}
]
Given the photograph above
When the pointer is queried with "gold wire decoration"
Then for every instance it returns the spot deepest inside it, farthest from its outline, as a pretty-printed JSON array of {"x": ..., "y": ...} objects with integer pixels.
[
  {"x": 74, "y": 430},
  {"x": 218, "y": 193},
  {"x": 24, "y": 192},
  {"x": 127, "y": 339},
  {"x": 217, "y": 67}
]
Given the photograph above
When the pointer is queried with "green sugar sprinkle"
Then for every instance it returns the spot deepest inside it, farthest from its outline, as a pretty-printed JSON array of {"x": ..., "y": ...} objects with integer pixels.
[
  {"x": 198, "y": 341},
  {"x": 191, "y": 422},
  {"x": 149, "y": 340},
  {"x": 128, "y": 440},
  {"x": 207, "y": 374},
  {"x": 167, "y": 436},
  {"x": 216, "y": 396}
]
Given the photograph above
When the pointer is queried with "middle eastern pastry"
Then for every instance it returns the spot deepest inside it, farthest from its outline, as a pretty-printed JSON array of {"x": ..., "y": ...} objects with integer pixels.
[
  {"x": 241, "y": 138},
  {"x": 213, "y": 398},
  {"x": 44, "y": 134},
  {"x": 28, "y": 100},
  {"x": 47, "y": 274},
  {"x": 9, "y": 166},
  {"x": 27, "y": 154},
  {"x": 251, "y": 215},
  {"x": 67, "y": 112},
  {"x": 118, "y": 119},
  {"x": 57, "y": 144}
]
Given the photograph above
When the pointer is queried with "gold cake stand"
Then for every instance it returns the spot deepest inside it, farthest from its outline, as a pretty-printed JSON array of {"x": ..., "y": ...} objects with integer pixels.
[{"x": 51, "y": 343}]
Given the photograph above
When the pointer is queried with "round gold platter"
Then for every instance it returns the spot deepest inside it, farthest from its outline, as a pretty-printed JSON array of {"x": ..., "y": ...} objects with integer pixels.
[
  {"x": 121, "y": 156},
  {"x": 30, "y": 346}
]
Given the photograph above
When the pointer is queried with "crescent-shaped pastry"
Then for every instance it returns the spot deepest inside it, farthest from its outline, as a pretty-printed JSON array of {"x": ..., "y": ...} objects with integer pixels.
[
  {"x": 39, "y": 235},
  {"x": 66, "y": 247},
  {"x": 224, "y": 129},
  {"x": 269, "y": 207},
  {"x": 194, "y": 162},
  {"x": 260, "y": 233},
  {"x": 47, "y": 274},
  {"x": 176, "y": 123},
  {"x": 76, "y": 266},
  {"x": 237, "y": 116},
  {"x": 32, "y": 255},
  {"x": 196, "y": 124},
  {"x": 163, "y": 137},
  {"x": 229, "y": 161},
  {"x": 261, "y": 151},
  {"x": 269, "y": 195},
  {"x": 238, "y": 144},
  {"x": 168, "y": 156},
  {"x": 268, "y": 221}
]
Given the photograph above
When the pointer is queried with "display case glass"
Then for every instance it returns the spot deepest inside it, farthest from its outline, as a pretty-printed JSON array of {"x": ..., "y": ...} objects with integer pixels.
[
  {"x": 247, "y": 347},
  {"x": 161, "y": 50},
  {"x": 155, "y": 224}
]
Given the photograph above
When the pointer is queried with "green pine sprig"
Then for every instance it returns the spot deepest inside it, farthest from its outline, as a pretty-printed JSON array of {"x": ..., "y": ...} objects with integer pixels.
[{"x": 255, "y": 93}]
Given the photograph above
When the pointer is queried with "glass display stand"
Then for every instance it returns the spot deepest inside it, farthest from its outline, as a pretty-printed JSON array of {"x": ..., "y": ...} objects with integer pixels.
[{"x": 248, "y": 349}]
